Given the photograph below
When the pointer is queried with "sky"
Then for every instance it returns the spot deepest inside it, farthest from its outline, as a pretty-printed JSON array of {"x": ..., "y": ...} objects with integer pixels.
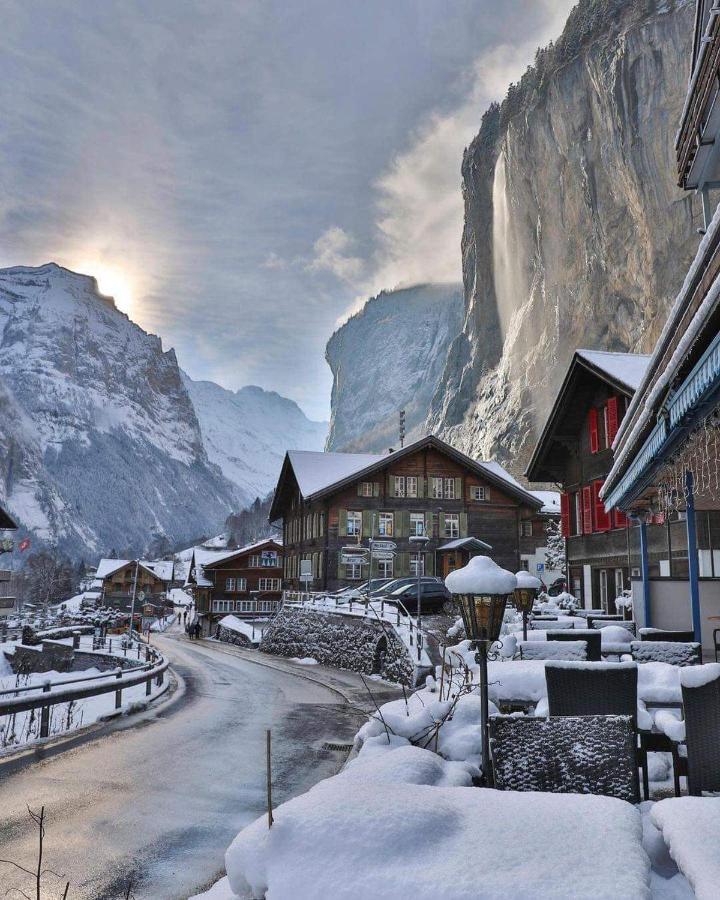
[{"x": 242, "y": 175}]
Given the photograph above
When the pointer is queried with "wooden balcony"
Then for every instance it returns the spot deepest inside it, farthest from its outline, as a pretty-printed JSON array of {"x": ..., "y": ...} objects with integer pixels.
[{"x": 5, "y": 575}]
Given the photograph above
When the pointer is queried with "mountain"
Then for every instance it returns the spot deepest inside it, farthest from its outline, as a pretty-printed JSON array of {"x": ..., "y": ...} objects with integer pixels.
[
  {"x": 100, "y": 445},
  {"x": 247, "y": 432},
  {"x": 389, "y": 356},
  {"x": 576, "y": 234}
]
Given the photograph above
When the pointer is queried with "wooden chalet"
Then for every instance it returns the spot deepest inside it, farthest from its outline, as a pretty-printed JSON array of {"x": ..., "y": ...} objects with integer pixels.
[
  {"x": 115, "y": 579},
  {"x": 667, "y": 452},
  {"x": 7, "y": 599},
  {"x": 330, "y": 501},
  {"x": 246, "y": 582}
]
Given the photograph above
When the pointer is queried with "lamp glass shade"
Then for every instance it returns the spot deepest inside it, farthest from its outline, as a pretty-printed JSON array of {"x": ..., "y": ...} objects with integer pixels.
[
  {"x": 482, "y": 615},
  {"x": 524, "y": 598}
]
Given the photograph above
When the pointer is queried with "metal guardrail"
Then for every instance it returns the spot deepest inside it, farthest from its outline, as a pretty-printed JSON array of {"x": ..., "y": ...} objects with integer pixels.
[{"x": 153, "y": 669}]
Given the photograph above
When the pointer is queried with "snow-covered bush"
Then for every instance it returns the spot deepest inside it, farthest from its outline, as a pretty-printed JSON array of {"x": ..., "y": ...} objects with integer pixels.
[{"x": 567, "y": 602}]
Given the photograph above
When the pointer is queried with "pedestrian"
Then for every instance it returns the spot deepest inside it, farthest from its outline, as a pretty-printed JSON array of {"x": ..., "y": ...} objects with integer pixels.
[{"x": 198, "y": 629}]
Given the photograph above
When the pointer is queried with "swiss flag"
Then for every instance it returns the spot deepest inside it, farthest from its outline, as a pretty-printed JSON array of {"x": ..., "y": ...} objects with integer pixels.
[{"x": 24, "y": 544}]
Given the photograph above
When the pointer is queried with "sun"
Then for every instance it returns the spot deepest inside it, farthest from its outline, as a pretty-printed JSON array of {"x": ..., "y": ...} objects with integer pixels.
[{"x": 113, "y": 282}]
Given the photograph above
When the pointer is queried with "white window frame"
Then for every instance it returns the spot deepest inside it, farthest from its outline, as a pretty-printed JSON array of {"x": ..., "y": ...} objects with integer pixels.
[
  {"x": 385, "y": 568},
  {"x": 247, "y": 606},
  {"x": 399, "y": 485},
  {"x": 606, "y": 429},
  {"x": 366, "y": 489},
  {"x": 415, "y": 520},
  {"x": 603, "y": 589},
  {"x": 578, "y": 512},
  {"x": 414, "y": 564},
  {"x": 452, "y": 525},
  {"x": 229, "y": 585},
  {"x": 526, "y": 528},
  {"x": 449, "y": 488},
  {"x": 478, "y": 492},
  {"x": 411, "y": 485},
  {"x": 356, "y": 520},
  {"x": 385, "y": 518},
  {"x": 437, "y": 487},
  {"x": 353, "y": 571},
  {"x": 268, "y": 584}
]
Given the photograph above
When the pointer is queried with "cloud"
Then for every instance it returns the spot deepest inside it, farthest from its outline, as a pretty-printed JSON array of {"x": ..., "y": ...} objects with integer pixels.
[
  {"x": 273, "y": 261},
  {"x": 331, "y": 255}
]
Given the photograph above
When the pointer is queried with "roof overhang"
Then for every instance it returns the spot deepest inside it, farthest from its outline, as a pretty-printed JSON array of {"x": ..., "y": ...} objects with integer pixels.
[
  {"x": 6, "y": 521},
  {"x": 468, "y": 543}
]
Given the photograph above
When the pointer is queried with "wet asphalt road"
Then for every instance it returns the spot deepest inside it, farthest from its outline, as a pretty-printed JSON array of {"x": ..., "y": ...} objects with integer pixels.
[{"x": 156, "y": 801}]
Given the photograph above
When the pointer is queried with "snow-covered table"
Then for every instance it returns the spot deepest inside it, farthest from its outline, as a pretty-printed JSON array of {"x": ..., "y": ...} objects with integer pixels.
[
  {"x": 690, "y": 827},
  {"x": 353, "y": 839}
]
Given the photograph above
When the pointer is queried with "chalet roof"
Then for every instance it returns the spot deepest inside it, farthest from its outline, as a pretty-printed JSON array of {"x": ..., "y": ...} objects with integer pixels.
[
  {"x": 5, "y": 520},
  {"x": 162, "y": 569},
  {"x": 468, "y": 543},
  {"x": 231, "y": 554},
  {"x": 550, "y": 501},
  {"x": 206, "y": 559},
  {"x": 621, "y": 371},
  {"x": 318, "y": 473}
]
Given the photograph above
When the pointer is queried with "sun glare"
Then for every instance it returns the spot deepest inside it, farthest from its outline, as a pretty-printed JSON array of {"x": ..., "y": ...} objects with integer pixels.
[{"x": 113, "y": 282}]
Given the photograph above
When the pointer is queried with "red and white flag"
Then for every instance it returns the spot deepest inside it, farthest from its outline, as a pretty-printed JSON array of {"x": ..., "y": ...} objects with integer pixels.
[{"x": 24, "y": 544}]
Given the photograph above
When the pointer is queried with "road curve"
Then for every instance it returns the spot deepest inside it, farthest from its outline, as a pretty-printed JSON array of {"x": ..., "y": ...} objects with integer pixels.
[{"x": 155, "y": 804}]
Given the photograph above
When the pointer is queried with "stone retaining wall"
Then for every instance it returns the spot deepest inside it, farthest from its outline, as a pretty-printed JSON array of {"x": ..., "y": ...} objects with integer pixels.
[
  {"x": 343, "y": 642},
  {"x": 53, "y": 656},
  {"x": 232, "y": 637}
]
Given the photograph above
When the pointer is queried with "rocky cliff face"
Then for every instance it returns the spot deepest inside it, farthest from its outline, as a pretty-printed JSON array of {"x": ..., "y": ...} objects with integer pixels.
[
  {"x": 575, "y": 232},
  {"x": 387, "y": 357}
]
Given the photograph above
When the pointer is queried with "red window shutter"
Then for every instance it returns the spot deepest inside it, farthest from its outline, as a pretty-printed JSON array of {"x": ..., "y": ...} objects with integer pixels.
[
  {"x": 612, "y": 419},
  {"x": 565, "y": 514},
  {"x": 619, "y": 518},
  {"x": 602, "y": 518},
  {"x": 593, "y": 430},
  {"x": 587, "y": 510}
]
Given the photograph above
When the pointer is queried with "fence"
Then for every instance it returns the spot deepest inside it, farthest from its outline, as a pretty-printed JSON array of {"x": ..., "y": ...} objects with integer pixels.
[{"x": 79, "y": 689}]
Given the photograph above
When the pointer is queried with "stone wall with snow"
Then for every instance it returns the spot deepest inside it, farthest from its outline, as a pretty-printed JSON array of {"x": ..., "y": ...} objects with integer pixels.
[{"x": 344, "y": 642}]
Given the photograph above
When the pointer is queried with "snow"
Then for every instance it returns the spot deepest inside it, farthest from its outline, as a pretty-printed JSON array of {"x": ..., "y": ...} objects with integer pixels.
[
  {"x": 526, "y": 580},
  {"x": 304, "y": 660},
  {"x": 481, "y": 576},
  {"x": 616, "y": 634},
  {"x": 108, "y": 566},
  {"x": 343, "y": 839},
  {"x": 315, "y": 470},
  {"x": 698, "y": 676},
  {"x": 550, "y": 501},
  {"x": 559, "y": 649},
  {"x": 627, "y": 368},
  {"x": 690, "y": 828},
  {"x": 669, "y": 722},
  {"x": 232, "y": 623}
]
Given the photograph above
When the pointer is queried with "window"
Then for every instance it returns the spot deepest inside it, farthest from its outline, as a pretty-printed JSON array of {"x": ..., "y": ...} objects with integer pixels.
[
  {"x": 229, "y": 584},
  {"x": 247, "y": 606},
  {"x": 385, "y": 524},
  {"x": 399, "y": 486},
  {"x": 385, "y": 568},
  {"x": 437, "y": 488},
  {"x": 365, "y": 489},
  {"x": 353, "y": 571},
  {"x": 240, "y": 584},
  {"x": 268, "y": 559},
  {"x": 578, "y": 513},
  {"x": 452, "y": 525},
  {"x": 268, "y": 584},
  {"x": 266, "y": 605},
  {"x": 606, "y": 428},
  {"x": 411, "y": 486},
  {"x": 477, "y": 492},
  {"x": 414, "y": 564},
  {"x": 526, "y": 528},
  {"x": 354, "y": 523},
  {"x": 449, "y": 487},
  {"x": 417, "y": 524}
]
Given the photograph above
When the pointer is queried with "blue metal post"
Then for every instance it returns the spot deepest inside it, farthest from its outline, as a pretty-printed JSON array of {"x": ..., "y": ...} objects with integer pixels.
[
  {"x": 645, "y": 573},
  {"x": 692, "y": 555}
]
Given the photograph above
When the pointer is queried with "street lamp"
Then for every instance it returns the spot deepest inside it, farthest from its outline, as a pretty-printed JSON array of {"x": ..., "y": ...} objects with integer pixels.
[
  {"x": 420, "y": 540},
  {"x": 482, "y": 589},
  {"x": 528, "y": 587}
]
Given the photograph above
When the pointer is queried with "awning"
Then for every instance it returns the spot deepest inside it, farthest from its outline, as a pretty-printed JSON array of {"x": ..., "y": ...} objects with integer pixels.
[{"x": 468, "y": 543}]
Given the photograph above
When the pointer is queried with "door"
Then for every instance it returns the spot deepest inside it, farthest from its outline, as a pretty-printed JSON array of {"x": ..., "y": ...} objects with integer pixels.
[
  {"x": 619, "y": 582},
  {"x": 604, "y": 589}
]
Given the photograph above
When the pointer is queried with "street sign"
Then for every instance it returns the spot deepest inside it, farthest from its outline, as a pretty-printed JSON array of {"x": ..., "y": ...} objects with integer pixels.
[
  {"x": 141, "y": 596},
  {"x": 306, "y": 568},
  {"x": 350, "y": 558},
  {"x": 384, "y": 555},
  {"x": 541, "y": 567},
  {"x": 354, "y": 548},
  {"x": 384, "y": 545}
]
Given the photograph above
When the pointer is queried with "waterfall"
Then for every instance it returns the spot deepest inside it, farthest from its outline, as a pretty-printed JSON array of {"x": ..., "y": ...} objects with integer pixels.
[{"x": 505, "y": 250}]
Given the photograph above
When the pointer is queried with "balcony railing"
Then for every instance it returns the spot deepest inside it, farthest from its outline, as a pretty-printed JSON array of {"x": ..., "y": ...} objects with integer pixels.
[{"x": 7, "y": 545}]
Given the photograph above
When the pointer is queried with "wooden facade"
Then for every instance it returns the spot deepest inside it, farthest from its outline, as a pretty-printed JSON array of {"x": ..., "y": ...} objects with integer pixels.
[
  {"x": 246, "y": 582},
  {"x": 117, "y": 584},
  {"x": 428, "y": 488}
]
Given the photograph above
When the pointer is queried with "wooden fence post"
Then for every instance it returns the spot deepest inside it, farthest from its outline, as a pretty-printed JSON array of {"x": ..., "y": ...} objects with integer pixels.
[
  {"x": 118, "y": 692},
  {"x": 45, "y": 713},
  {"x": 268, "y": 766}
]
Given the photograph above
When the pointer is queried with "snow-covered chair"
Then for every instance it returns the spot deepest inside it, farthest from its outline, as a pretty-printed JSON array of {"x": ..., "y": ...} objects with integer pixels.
[
  {"x": 569, "y": 754},
  {"x": 701, "y": 702},
  {"x": 591, "y": 636},
  {"x": 660, "y": 634},
  {"x": 675, "y": 653},
  {"x": 572, "y": 650}
]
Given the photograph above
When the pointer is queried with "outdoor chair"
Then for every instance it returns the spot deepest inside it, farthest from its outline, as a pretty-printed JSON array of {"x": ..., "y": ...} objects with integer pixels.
[
  {"x": 543, "y": 619},
  {"x": 570, "y": 754},
  {"x": 701, "y": 703},
  {"x": 566, "y": 650},
  {"x": 659, "y": 634},
  {"x": 592, "y": 637},
  {"x": 584, "y": 689},
  {"x": 675, "y": 653},
  {"x": 606, "y": 617},
  {"x": 716, "y": 645}
]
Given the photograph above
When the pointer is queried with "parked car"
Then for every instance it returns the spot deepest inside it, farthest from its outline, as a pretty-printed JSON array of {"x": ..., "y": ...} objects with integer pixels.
[
  {"x": 396, "y": 583},
  {"x": 433, "y": 596}
]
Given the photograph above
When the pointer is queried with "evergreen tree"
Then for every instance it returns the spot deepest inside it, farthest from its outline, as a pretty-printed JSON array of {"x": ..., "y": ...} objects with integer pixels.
[{"x": 555, "y": 551}]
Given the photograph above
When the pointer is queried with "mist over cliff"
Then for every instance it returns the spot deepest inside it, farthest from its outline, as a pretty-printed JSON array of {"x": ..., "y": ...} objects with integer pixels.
[{"x": 576, "y": 234}]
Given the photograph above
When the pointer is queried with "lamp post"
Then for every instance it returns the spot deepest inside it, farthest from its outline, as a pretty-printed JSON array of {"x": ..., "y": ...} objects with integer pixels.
[
  {"x": 482, "y": 589},
  {"x": 420, "y": 540},
  {"x": 528, "y": 587}
]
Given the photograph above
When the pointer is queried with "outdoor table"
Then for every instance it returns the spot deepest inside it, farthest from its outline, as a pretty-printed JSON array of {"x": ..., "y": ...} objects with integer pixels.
[{"x": 690, "y": 828}]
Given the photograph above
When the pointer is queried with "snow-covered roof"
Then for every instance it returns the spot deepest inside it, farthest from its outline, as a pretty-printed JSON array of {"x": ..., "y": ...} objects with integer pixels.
[
  {"x": 108, "y": 566},
  {"x": 472, "y": 543},
  {"x": 550, "y": 501},
  {"x": 163, "y": 568},
  {"x": 316, "y": 470},
  {"x": 627, "y": 368},
  {"x": 204, "y": 557}
]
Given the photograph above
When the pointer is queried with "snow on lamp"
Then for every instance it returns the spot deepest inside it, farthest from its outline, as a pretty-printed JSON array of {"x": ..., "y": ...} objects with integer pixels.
[
  {"x": 482, "y": 589},
  {"x": 528, "y": 587}
]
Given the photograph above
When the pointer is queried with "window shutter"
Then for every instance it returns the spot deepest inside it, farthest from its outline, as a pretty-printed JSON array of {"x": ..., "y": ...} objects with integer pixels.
[
  {"x": 342, "y": 522},
  {"x": 359, "y": 488},
  {"x": 587, "y": 510},
  {"x": 612, "y": 419},
  {"x": 421, "y": 486},
  {"x": 402, "y": 565},
  {"x": 402, "y": 523},
  {"x": 619, "y": 518},
  {"x": 565, "y": 514},
  {"x": 593, "y": 430},
  {"x": 366, "y": 522},
  {"x": 376, "y": 488},
  {"x": 390, "y": 486},
  {"x": 340, "y": 567},
  {"x": 602, "y": 518},
  {"x": 430, "y": 563},
  {"x": 458, "y": 488},
  {"x": 463, "y": 524},
  {"x": 429, "y": 524}
]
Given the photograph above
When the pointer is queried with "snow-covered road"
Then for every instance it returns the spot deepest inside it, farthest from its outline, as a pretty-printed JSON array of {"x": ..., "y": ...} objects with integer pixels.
[{"x": 158, "y": 800}]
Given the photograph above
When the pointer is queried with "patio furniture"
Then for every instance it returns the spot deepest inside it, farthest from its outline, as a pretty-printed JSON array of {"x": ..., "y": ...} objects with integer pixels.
[
  {"x": 605, "y": 617},
  {"x": 675, "y": 653},
  {"x": 716, "y": 644},
  {"x": 542, "y": 619},
  {"x": 701, "y": 701},
  {"x": 568, "y": 754},
  {"x": 659, "y": 634},
  {"x": 573, "y": 650},
  {"x": 587, "y": 689},
  {"x": 690, "y": 826},
  {"x": 592, "y": 637}
]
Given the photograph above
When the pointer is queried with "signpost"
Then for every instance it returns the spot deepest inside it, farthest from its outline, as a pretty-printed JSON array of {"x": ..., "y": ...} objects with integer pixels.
[
  {"x": 384, "y": 545},
  {"x": 306, "y": 573}
]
